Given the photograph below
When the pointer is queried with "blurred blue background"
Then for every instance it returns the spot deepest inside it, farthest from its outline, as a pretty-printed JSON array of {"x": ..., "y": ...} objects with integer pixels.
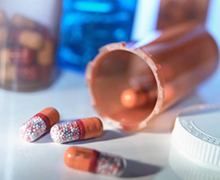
[{"x": 87, "y": 25}]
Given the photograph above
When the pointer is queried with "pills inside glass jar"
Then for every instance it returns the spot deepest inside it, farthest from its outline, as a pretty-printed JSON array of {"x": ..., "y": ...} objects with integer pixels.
[{"x": 26, "y": 53}]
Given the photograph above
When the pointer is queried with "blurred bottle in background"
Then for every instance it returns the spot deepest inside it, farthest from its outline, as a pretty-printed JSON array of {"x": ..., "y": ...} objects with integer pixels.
[
  {"x": 173, "y": 12},
  {"x": 28, "y": 33},
  {"x": 87, "y": 25},
  {"x": 161, "y": 14}
]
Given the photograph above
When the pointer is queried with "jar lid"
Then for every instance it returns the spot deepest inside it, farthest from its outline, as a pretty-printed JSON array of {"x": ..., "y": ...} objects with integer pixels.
[{"x": 196, "y": 135}]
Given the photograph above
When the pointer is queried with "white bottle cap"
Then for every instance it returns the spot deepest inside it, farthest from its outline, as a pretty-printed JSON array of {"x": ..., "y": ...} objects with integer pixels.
[{"x": 196, "y": 135}]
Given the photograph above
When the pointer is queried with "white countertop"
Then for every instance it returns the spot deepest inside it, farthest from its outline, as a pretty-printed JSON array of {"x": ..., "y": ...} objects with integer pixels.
[{"x": 148, "y": 151}]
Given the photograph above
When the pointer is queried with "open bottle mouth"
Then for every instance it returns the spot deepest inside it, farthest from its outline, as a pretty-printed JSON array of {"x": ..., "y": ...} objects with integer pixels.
[
  {"x": 115, "y": 74},
  {"x": 128, "y": 84}
]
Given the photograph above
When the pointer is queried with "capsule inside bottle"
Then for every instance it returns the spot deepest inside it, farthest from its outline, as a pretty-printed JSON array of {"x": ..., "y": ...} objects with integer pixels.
[{"x": 134, "y": 98}]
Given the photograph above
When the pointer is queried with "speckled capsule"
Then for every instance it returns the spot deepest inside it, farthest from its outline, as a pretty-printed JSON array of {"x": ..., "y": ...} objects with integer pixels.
[
  {"x": 94, "y": 161},
  {"x": 39, "y": 124},
  {"x": 76, "y": 130}
]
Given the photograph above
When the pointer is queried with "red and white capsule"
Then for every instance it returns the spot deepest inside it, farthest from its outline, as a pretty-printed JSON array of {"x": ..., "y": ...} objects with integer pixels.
[
  {"x": 39, "y": 124},
  {"x": 94, "y": 161},
  {"x": 76, "y": 130}
]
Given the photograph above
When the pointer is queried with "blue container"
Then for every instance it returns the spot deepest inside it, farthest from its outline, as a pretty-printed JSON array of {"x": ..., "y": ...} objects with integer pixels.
[{"x": 86, "y": 25}]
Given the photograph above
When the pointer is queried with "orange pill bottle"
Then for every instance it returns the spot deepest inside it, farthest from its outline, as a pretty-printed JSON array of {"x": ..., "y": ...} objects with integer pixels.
[{"x": 166, "y": 69}]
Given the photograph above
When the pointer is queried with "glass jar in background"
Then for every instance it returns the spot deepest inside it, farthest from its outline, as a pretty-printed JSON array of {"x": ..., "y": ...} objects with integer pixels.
[
  {"x": 28, "y": 35},
  {"x": 87, "y": 25}
]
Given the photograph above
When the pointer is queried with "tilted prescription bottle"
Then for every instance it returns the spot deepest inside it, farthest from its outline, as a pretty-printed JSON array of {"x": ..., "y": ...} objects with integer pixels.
[
  {"x": 167, "y": 68},
  {"x": 28, "y": 32}
]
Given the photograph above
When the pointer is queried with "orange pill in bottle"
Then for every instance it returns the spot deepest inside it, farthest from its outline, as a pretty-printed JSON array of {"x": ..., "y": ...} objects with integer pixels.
[
  {"x": 39, "y": 124},
  {"x": 133, "y": 98},
  {"x": 78, "y": 129},
  {"x": 94, "y": 161}
]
